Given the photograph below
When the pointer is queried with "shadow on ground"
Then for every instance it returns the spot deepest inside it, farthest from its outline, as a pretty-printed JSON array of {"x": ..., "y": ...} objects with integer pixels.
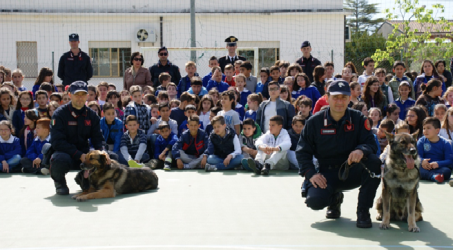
[
  {"x": 392, "y": 238},
  {"x": 90, "y": 205}
]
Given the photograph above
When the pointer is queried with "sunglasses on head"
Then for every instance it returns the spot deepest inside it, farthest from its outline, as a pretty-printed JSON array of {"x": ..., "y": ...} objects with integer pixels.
[
  {"x": 163, "y": 54},
  {"x": 138, "y": 59}
]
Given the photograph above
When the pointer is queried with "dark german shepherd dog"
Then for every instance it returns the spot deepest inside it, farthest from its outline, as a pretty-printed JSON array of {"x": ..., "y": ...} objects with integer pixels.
[
  {"x": 399, "y": 198},
  {"x": 100, "y": 180}
]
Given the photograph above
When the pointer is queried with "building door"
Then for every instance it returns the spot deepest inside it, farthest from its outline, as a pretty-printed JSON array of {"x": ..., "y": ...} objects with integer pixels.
[{"x": 27, "y": 58}]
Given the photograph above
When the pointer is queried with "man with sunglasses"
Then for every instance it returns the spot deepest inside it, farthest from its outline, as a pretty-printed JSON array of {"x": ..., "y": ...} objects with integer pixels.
[
  {"x": 164, "y": 65},
  {"x": 232, "y": 56},
  {"x": 74, "y": 65}
]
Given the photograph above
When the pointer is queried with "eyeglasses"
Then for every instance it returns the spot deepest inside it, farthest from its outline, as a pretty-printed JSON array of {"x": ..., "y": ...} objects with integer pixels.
[
  {"x": 163, "y": 54},
  {"x": 273, "y": 89},
  {"x": 3, "y": 130},
  {"x": 138, "y": 59}
]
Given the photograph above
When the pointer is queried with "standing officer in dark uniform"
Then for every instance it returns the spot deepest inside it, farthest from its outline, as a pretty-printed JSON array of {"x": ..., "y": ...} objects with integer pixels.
[
  {"x": 74, "y": 65},
  {"x": 164, "y": 65},
  {"x": 72, "y": 125},
  {"x": 231, "y": 57},
  {"x": 339, "y": 137},
  {"x": 307, "y": 61}
]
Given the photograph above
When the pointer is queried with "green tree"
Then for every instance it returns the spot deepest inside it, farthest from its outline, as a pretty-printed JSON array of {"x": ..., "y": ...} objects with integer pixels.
[
  {"x": 362, "y": 45},
  {"x": 414, "y": 45},
  {"x": 362, "y": 15}
]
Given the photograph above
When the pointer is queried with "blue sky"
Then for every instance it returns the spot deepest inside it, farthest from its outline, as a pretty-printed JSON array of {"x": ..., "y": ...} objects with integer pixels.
[{"x": 448, "y": 4}]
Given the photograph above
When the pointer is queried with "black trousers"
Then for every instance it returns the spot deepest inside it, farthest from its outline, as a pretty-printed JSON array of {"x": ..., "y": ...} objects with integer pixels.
[
  {"x": 61, "y": 163},
  {"x": 27, "y": 165},
  {"x": 318, "y": 198}
]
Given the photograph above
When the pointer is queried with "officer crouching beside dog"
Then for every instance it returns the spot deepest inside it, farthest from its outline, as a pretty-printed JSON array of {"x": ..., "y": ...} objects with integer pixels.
[
  {"x": 73, "y": 124},
  {"x": 339, "y": 137}
]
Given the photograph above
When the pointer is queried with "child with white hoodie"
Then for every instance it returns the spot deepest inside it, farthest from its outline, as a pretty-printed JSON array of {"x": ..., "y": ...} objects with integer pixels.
[{"x": 272, "y": 148}]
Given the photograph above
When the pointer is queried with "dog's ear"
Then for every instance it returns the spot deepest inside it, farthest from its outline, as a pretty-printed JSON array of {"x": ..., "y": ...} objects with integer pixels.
[
  {"x": 415, "y": 135},
  {"x": 390, "y": 137}
]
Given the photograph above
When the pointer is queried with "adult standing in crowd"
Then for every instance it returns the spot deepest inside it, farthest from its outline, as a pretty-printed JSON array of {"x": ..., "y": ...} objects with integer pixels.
[
  {"x": 337, "y": 136},
  {"x": 440, "y": 66},
  {"x": 164, "y": 65},
  {"x": 137, "y": 74},
  {"x": 307, "y": 61},
  {"x": 274, "y": 106},
  {"x": 74, "y": 65},
  {"x": 74, "y": 127},
  {"x": 231, "y": 46}
]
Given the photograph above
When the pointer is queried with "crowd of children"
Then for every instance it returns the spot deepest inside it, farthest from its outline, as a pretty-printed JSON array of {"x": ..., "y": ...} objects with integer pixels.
[{"x": 232, "y": 119}]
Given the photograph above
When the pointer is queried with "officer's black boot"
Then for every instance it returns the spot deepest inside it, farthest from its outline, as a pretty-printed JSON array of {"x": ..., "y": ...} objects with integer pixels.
[
  {"x": 303, "y": 189},
  {"x": 60, "y": 185},
  {"x": 364, "y": 218},
  {"x": 334, "y": 210},
  {"x": 266, "y": 169}
]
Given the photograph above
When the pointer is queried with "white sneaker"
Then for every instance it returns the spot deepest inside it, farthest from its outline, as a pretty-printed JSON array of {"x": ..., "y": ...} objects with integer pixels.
[
  {"x": 209, "y": 167},
  {"x": 186, "y": 166},
  {"x": 45, "y": 171},
  {"x": 167, "y": 167}
]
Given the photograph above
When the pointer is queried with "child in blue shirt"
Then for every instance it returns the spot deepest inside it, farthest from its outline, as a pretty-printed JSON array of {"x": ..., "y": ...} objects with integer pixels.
[
  {"x": 162, "y": 147},
  {"x": 216, "y": 81},
  {"x": 264, "y": 77},
  {"x": 435, "y": 153},
  {"x": 253, "y": 103},
  {"x": 404, "y": 102},
  {"x": 10, "y": 149},
  {"x": 133, "y": 143},
  {"x": 190, "y": 110},
  {"x": 184, "y": 83},
  {"x": 111, "y": 128},
  {"x": 302, "y": 87},
  {"x": 31, "y": 163}
]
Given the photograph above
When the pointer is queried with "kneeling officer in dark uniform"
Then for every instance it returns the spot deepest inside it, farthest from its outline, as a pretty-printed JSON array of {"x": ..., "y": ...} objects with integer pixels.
[
  {"x": 339, "y": 137},
  {"x": 72, "y": 125}
]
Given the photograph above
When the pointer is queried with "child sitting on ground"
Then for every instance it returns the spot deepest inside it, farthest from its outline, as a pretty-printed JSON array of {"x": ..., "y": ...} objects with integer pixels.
[
  {"x": 111, "y": 128},
  {"x": 224, "y": 149},
  {"x": 190, "y": 111},
  {"x": 294, "y": 133},
  {"x": 162, "y": 147},
  {"x": 138, "y": 109},
  {"x": 10, "y": 149},
  {"x": 435, "y": 153},
  {"x": 189, "y": 149},
  {"x": 31, "y": 163},
  {"x": 133, "y": 143},
  {"x": 272, "y": 148},
  {"x": 250, "y": 133}
]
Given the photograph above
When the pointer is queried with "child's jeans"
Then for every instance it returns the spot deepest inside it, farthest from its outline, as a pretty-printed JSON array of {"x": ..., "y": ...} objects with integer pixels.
[
  {"x": 291, "y": 155},
  {"x": 191, "y": 160},
  {"x": 427, "y": 174},
  {"x": 277, "y": 160},
  {"x": 122, "y": 160},
  {"x": 218, "y": 162},
  {"x": 13, "y": 162}
]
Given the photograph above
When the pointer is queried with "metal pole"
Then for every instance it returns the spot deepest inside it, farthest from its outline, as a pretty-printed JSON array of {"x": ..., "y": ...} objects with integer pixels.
[
  {"x": 122, "y": 60},
  {"x": 193, "y": 53},
  {"x": 331, "y": 55},
  {"x": 53, "y": 64}
]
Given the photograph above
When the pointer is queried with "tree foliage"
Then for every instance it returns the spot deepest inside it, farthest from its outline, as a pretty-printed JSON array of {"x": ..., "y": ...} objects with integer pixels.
[
  {"x": 415, "y": 45},
  {"x": 362, "y": 13},
  {"x": 362, "y": 45}
]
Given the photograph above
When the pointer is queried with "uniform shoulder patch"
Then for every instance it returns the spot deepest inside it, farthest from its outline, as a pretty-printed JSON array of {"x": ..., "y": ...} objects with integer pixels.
[
  {"x": 52, "y": 122},
  {"x": 367, "y": 125}
]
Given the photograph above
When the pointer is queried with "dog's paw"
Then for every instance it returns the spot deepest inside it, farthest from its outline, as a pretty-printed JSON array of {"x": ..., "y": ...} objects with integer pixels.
[
  {"x": 75, "y": 196},
  {"x": 384, "y": 226},
  {"x": 414, "y": 229},
  {"x": 82, "y": 198},
  {"x": 379, "y": 217}
]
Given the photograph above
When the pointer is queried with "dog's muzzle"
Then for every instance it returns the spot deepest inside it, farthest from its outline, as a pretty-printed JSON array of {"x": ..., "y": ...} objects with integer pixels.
[{"x": 86, "y": 170}]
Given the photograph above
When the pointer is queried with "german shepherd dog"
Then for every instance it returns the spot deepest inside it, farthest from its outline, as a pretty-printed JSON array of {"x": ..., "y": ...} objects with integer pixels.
[
  {"x": 399, "y": 198},
  {"x": 99, "y": 180}
]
